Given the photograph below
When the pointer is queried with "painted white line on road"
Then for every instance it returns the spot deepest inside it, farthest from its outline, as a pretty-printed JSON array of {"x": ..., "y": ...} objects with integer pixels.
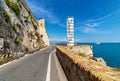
[{"x": 49, "y": 67}]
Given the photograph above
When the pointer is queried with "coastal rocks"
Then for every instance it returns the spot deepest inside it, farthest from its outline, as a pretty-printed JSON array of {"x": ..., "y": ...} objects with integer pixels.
[
  {"x": 78, "y": 68},
  {"x": 100, "y": 60},
  {"x": 82, "y": 49}
]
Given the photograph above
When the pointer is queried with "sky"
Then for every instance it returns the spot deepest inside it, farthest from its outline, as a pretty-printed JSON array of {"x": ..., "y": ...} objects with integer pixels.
[{"x": 94, "y": 20}]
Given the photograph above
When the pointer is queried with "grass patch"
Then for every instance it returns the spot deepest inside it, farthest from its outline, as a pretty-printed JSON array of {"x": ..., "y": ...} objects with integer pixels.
[
  {"x": 14, "y": 28},
  {"x": 41, "y": 46},
  {"x": 7, "y": 2},
  {"x": 32, "y": 33},
  {"x": 83, "y": 54},
  {"x": 26, "y": 17},
  {"x": 14, "y": 6},
  {"x": 17, "y": 41},
  {"x": 7, "y": 17}
]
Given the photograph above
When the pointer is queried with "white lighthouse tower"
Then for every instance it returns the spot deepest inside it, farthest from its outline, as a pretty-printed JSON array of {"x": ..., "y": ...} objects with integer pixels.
[{"x": 70, "y": 31}]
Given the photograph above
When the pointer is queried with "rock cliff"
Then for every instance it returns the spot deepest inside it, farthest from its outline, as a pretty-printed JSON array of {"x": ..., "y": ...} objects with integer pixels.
[
  {"x": 43, "y": 33},
  {"x": 78, "y": 67},
  {"x": 18, "y": 28},
  {"x": 82, "y": 49}
]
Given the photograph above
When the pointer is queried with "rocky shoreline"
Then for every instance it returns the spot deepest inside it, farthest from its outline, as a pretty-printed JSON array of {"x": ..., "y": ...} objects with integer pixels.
[{"x": 85, "y": 68}]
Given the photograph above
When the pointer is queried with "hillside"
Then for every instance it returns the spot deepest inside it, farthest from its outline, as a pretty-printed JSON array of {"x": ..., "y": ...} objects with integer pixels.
[{"x": 18, "y": 29}]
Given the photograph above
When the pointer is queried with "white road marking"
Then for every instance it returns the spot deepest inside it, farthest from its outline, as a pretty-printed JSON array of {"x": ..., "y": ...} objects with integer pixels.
[{"x": 49, "y": 67}]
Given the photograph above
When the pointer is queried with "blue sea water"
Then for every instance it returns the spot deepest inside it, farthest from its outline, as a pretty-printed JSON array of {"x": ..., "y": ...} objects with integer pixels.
[{"x": 110, "y": 52}]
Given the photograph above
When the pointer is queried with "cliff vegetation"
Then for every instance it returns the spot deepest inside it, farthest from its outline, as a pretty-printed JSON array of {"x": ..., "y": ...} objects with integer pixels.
[{"x": 18, "y": 29}]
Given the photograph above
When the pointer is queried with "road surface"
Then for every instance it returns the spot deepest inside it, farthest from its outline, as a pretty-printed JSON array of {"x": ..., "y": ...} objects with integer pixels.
[{"x": 40, "y": 66}]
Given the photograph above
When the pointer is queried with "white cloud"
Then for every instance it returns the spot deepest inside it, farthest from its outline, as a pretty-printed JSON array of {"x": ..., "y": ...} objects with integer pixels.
[
  {"x": 58, "y": 39},
  {"x": 62, "y": 40},
  {"x": 42, "y": 12},
  {"x": 101, "y": 18},
  {"x": 92, "y": 25},
  {"x": 45, "y": 13},
  {"x": 92, "y": 30},
  {"x": 89, "y": 30},
  {"x": 77, "y": 40}
]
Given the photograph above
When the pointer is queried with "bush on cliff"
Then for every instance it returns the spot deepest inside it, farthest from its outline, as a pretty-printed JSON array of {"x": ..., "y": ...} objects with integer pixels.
[
  {"x": 17, "y": 41},
  {"x": 14, "y": 6},
  {"x": 7, "y": 17},
  {"x": 83, "y": 54},
  {"x": 26, "y": 17},
  {"x": 32, "y": 33},
  {"x": 15, "y": 29},
  {"x": 41, "y": 46}
]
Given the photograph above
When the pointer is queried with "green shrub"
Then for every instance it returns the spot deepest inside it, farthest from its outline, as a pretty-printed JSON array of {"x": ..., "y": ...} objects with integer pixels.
[
  {"x": 7, "y": 2},
  {"x": 14, "y": 28},
  {"x": 14, "y": 6},
  {"x": 17, "y": 41},
  {"x": 83, "y": 54},
  {"x": 7, "y": 17},
  {"x": 32, "y": 33},
  {"x": 26, "y": 17},
  {"x": 41, "y": 46}
]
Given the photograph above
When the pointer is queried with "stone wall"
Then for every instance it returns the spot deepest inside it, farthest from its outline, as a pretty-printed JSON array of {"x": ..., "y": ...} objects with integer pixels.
[
  {"x": 78, "y": 68},
  {"x": 43, "y": 33}
]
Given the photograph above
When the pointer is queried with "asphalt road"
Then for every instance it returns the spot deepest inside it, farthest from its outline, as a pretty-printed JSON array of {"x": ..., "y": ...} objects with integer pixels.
[{"x": 34, "y": 67}]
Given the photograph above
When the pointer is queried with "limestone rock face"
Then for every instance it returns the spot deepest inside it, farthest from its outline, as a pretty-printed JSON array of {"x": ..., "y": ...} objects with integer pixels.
[
  {"x": 1, "y": 43},
  {"x": 43, "y": 33},
  {"x": 18, "y": 27},
  {"x": 86, "y": 49},
  {"x": 100, "y": 60}
]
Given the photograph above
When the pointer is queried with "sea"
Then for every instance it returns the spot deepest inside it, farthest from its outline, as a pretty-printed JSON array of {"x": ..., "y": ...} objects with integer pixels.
[{"x": 110, "y": 52}]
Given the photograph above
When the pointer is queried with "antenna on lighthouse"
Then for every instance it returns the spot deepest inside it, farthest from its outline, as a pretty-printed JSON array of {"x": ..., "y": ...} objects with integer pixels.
[{"x": 70, "y": 31}]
